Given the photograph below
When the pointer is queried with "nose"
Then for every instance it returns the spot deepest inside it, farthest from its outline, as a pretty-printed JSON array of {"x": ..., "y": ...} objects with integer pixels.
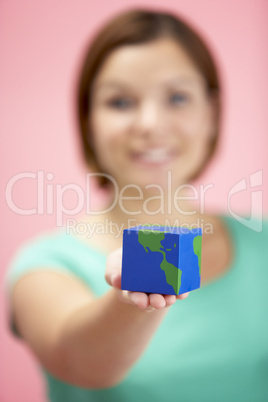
[{"x": 150, "y": 120}]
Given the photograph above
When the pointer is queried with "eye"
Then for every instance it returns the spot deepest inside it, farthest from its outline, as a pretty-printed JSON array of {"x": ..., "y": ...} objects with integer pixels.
[
  {"x": 119, "y": 103},
  {"x": 178, "y": 98}
]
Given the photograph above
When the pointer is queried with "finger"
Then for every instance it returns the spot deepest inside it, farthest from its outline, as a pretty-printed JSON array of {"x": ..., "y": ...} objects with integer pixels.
[
  {"x": 170, "y": 299},
  {"x": 183, "y": 296},
  {"x": 157, "y": 301},
  {"x": 139, "y": 299}
]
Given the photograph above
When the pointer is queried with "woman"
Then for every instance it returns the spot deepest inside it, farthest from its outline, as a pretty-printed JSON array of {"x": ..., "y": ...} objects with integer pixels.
[{"x": 149, "y": 114}]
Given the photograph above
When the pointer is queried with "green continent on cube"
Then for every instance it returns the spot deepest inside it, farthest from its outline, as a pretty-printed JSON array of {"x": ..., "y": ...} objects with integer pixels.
[
  {"x": 153, "y": 243},
  {"x": 197, "y": 243},
  {"x": 160, "y": 260}
]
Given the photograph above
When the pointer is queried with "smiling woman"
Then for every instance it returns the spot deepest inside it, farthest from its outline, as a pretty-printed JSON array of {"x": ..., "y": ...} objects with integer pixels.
[
  {"x": 167, "y": 121},
  {"x": 156, "y": 72},
  {"x": 149, "y": 115}
]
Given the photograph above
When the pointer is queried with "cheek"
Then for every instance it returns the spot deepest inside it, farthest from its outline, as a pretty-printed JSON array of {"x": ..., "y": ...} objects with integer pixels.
[
  {"x": 195, "y": 139},
  {"x": 198, "y": 150},
  {"x": 105, "y": 121},
  {"x": 194, "y": 121},
  {"x": 109, "y": 135}
]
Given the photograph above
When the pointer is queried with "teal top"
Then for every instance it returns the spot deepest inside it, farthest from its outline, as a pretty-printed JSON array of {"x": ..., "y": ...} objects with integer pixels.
[{"x": 213, "y": 346}]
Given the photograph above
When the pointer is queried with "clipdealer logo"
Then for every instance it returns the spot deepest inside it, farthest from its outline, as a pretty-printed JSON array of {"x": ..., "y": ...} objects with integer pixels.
[
  {"x": 50, "y": 197},
  {"x": 255, "y": 181}
]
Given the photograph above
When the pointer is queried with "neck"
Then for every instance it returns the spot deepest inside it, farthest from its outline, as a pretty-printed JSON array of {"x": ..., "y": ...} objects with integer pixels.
[{"x": 170, "y": 205}]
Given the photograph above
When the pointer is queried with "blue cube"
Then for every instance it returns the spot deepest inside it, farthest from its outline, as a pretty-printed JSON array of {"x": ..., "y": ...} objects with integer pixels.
[{"x": 160, "y": 260}]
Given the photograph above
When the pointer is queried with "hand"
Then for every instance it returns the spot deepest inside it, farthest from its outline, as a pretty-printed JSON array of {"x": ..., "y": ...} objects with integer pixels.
[{"x": 144, "y": 301}]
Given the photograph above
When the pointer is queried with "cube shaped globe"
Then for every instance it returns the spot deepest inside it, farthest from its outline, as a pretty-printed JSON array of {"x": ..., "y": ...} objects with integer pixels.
[{"x": 160, "y": 260}]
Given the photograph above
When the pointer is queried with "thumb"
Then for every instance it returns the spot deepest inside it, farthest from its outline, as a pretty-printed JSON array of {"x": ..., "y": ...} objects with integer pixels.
[
  {"x": 113, "y": 268},
  {"x": 116, "y": 280},
  {"x": 113, "y": 279}
]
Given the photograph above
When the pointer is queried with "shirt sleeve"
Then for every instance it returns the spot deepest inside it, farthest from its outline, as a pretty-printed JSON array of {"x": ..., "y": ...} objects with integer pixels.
[{"x": 41, "y": 252}]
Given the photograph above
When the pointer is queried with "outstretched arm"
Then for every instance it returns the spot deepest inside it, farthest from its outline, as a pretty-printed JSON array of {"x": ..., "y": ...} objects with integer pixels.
[{"x": 83, "y": 340}]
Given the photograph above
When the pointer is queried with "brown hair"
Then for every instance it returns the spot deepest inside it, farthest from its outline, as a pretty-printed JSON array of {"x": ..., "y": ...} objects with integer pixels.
[{"x": 135, "y": 27}]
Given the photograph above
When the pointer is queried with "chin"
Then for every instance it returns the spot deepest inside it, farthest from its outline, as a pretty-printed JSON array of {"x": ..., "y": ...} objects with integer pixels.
[{"x": 155, "y": 180}]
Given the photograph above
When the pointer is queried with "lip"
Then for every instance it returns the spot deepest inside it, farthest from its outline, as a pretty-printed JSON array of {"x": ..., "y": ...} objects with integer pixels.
[{"x": 154, "y": 157}]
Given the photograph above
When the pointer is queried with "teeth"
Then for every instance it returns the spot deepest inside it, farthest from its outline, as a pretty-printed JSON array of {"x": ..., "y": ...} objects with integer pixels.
[{"x": 155, "y": 155}]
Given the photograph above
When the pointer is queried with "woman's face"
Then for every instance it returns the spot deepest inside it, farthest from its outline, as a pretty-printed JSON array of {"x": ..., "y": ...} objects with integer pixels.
[{"x": 150, "y": 114}]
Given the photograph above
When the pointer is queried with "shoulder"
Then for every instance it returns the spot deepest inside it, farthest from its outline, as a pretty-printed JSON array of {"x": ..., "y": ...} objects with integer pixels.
[
  {"x": 42, "y": 245},
  {"x": 246, "y": 226},
  {"x": 250, "y": 235},
  {"x": 40, "y": 250},
  {"x": 53, "y": 250}
]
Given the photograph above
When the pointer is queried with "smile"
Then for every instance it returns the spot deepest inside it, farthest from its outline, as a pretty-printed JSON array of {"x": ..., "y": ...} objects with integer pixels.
[{"x": 155, "y": 156}]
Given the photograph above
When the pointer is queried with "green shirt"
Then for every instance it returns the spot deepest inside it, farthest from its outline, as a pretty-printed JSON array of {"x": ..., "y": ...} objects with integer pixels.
[{"x": 213, "y": 346}]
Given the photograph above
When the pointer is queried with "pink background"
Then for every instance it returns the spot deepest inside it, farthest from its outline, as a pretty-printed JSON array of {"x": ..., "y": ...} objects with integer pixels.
[{"x": 40, "y": 45}]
